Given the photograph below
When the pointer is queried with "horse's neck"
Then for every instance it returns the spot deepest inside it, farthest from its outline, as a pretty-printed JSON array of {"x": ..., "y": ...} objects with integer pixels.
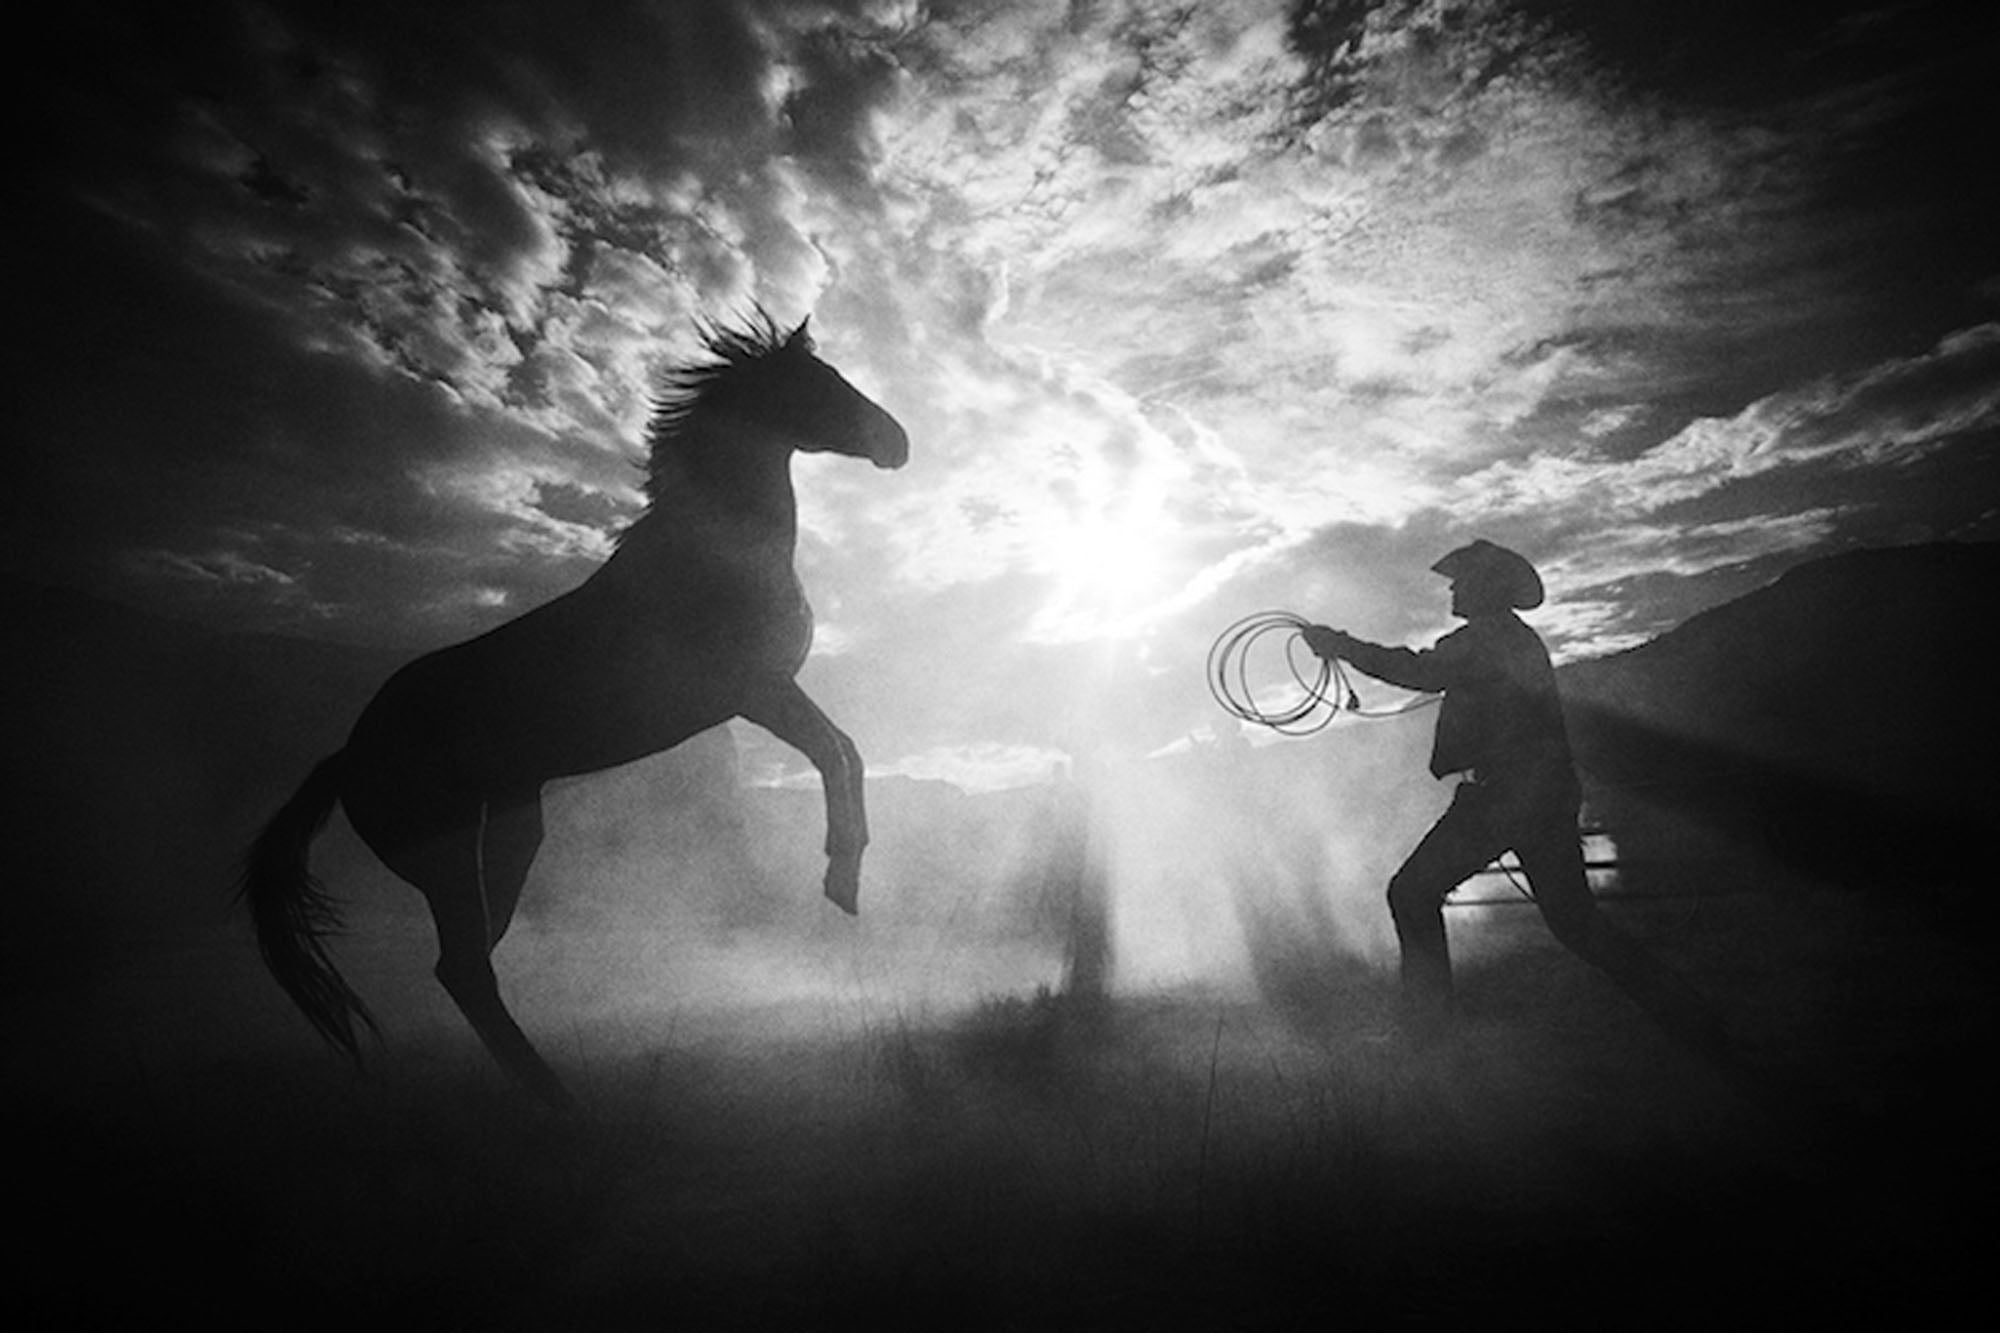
[
  {"x": 726, "y": 499},
  {"x": 735, "y": 472}
]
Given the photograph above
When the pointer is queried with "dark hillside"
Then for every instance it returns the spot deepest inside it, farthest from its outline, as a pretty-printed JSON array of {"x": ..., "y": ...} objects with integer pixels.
[
  {"x": 137, "y": 751},
  {"x": 1837, "y": 723}
]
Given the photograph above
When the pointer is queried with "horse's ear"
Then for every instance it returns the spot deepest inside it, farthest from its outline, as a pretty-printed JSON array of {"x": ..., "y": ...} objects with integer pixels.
[{"x": 800, "y": 337}]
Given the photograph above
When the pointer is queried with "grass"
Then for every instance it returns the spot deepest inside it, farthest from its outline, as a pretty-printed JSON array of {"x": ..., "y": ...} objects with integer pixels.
[{"x": 1186, "y": 1159}]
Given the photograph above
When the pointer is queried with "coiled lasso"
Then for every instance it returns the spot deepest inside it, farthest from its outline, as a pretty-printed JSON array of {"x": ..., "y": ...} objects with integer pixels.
[{"x": 1325, "y": 692}]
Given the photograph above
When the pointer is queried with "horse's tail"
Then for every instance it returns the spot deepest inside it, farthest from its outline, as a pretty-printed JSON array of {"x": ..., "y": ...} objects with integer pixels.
[{"x": 293, "y": 913}]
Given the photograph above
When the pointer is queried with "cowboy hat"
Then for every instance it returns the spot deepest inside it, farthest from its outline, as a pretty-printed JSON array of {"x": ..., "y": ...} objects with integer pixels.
[{"x": 1505, "y": 574}]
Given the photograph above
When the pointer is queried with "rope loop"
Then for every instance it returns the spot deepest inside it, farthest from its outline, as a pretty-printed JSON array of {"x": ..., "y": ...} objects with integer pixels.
[{"x": 1324, "y": 691}]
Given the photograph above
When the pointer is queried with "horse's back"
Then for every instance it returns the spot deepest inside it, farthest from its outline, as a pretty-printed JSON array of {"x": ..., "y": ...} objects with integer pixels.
[{"x": 587, "y": 681}]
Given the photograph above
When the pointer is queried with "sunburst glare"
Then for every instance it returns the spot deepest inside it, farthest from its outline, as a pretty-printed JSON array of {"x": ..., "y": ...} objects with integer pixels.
[{"x": 1111, "y": 573}]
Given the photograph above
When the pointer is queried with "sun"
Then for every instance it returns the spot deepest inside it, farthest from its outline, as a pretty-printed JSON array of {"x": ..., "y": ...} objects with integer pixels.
[
  {"x": 1114, "y": 559},
  {"x": 1111, "y": 571}
]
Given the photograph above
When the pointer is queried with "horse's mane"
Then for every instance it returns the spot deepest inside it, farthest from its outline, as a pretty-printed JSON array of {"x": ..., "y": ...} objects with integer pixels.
[{"x": 681, "y": 391}]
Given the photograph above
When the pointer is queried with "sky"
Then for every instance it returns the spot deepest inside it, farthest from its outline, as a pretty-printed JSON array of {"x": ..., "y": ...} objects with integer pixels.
[{"x": 341, "y": 319}]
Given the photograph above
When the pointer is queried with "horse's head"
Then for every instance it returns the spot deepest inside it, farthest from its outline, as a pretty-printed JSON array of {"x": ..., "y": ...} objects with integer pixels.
[
  {"x": 812, "y": 402},
  {"x": 763, "y": 383}
]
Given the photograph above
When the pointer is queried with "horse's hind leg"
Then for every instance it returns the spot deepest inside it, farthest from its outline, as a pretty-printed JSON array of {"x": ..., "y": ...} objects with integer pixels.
[
  {"x": 472, "y": 884},
  {"x": 508, "y": 840},
  {"x": 465, "y": 969}
]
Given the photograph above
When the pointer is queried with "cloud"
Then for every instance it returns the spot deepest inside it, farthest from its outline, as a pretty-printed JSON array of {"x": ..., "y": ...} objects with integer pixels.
[
  {"x": 1189, "y": 309},
  {"x": 516, "y": 494},
  {"x": 1888, "y": 414},
  {"x": 1907, "y": 408},
  {"x": 495, "y": 228},
  {"x": 215, "y": 566},
  {"x": 1418, "y": 275}
]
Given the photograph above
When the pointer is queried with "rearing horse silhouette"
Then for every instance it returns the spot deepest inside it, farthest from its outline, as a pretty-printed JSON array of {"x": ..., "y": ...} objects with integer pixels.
[{"x": 696, "y": 618}]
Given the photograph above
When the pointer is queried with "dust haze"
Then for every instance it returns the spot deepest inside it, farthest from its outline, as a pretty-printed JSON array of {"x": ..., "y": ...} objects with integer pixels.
[
  {"x": 666, "y": 890},
  {"x": 1104, "y": 1049}
]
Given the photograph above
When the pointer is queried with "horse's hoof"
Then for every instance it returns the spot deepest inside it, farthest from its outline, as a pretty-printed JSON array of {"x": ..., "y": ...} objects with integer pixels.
[{"x": 843, "y": 887}]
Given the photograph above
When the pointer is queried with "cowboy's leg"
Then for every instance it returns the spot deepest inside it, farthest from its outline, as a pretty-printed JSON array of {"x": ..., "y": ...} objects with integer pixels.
[
  {"x": 1552, "y": 860},
  {"x": 1458, "y": 845}
]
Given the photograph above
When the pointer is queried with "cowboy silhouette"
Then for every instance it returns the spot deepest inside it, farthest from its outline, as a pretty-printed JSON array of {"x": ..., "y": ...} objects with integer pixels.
[{"x": 1500, "y": 731}]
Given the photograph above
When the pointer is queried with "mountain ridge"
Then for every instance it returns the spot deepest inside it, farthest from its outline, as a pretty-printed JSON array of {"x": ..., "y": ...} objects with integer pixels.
[{"x": 1833, "y": 721}]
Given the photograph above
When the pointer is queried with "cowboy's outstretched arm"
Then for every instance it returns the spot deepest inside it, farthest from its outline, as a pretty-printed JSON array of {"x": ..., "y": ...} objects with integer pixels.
[{"x": 1427, "y": 669}]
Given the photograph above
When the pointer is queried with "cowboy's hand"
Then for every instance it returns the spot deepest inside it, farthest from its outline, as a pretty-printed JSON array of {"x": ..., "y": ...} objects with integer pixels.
[{"x": 1326, "y": 642}]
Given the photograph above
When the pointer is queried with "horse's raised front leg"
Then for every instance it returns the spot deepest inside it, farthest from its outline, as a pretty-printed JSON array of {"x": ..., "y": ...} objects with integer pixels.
[{"x": 784, "y": 710}]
